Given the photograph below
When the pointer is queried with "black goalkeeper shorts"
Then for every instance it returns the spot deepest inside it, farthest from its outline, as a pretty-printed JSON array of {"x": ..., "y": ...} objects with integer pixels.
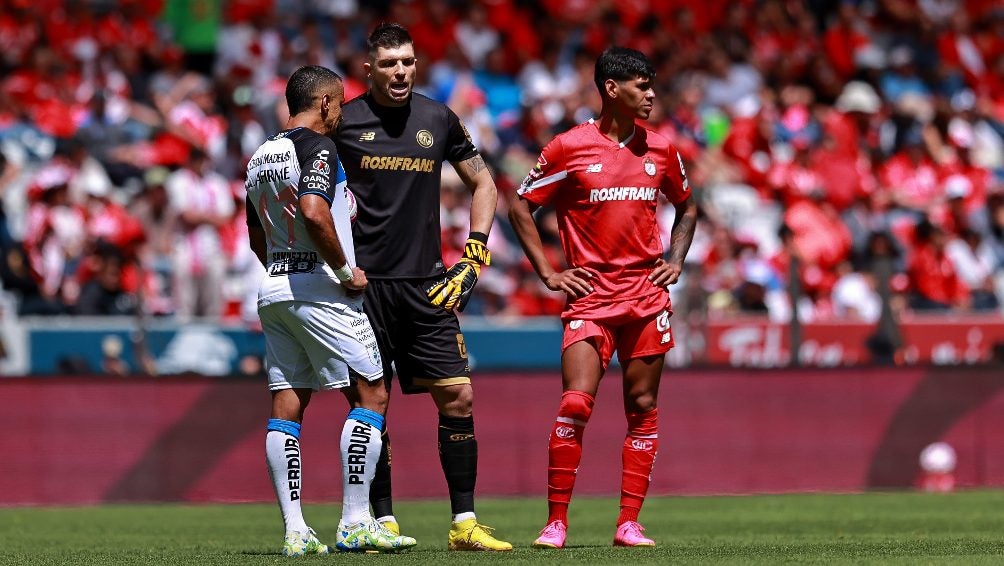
[{"x": 423, "y": 342}]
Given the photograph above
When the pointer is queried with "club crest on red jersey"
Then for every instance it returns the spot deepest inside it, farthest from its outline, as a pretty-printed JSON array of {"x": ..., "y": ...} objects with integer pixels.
[{"x": 649, "y": 167}]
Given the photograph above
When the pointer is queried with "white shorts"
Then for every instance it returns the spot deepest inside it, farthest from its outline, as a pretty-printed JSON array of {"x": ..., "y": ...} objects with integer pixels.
[{"x": 314, "y": 345}]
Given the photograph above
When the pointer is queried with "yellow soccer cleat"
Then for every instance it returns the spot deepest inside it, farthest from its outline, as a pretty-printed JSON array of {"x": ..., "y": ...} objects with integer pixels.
[
  {"x": 392, "y": 526},
  {"x": 470, "y": 535}
]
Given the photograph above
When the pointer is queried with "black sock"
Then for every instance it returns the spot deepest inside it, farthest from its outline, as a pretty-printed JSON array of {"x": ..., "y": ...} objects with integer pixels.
[
  {"x": 458, "y": 453},
  {"x": 380, "y": 488}
]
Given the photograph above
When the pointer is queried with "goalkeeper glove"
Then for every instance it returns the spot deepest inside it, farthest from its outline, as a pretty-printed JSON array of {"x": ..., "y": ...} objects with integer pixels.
[{"x": 454, "y": 290}]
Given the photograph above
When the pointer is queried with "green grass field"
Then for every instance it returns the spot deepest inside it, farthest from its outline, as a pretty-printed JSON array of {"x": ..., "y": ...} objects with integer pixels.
[{"x": 885, "y": 528}]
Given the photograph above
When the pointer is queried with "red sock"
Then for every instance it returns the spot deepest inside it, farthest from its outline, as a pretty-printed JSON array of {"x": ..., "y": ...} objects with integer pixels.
[
  {"x": 564, "y": 451},
  {"x": 637, "y": 458}
]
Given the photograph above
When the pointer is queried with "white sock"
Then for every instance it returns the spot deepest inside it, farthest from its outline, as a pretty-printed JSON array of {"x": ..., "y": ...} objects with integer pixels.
[
  {"x": 282, "y": 454},
  {"x": 360, "y": 450},
  {"x": 464, "y": 516}
]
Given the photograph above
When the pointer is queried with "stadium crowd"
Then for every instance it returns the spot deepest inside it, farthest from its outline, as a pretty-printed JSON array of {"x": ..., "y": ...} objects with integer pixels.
[{"x": 821, "y": 135}]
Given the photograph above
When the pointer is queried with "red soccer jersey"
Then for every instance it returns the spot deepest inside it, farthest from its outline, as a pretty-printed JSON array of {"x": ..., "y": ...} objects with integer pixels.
[{"x": 605, "y": 194}]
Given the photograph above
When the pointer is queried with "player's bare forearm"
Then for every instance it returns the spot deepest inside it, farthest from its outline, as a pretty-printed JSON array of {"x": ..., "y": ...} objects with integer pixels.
[
  {"x": 682, "y": 235},
  {"x": 521, "y": 218},
  {"x": 574, "y": 281},
  {"x": 475, "y": 174},
  {"x": 257, "y": 236},
  {"x": 321, "y": 229}
]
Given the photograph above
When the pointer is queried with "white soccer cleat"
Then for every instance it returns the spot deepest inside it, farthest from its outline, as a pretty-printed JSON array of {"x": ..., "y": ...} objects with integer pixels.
[
  {"x": 299, "y": 544},
  {"x": 370, "y": 536}
]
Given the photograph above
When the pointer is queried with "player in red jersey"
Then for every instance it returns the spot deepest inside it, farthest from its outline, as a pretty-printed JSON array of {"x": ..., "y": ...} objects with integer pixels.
[{"x": 603, "y": 179}]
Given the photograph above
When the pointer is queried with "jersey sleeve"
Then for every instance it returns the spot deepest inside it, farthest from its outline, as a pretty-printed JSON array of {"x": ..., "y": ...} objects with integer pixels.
[
  {"x": 459, "y": 146},
  {"x": 251, "y": 214},
  {"x": 542, "y": 183},
  {"x": 321, "y": 172},
  {"x": 675, "y": 184}
]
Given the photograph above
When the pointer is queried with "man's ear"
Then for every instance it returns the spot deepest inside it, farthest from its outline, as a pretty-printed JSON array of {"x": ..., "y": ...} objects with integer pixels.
[
  {"x": 611, "y": 87},
  {"x": 325, "y": 102}
]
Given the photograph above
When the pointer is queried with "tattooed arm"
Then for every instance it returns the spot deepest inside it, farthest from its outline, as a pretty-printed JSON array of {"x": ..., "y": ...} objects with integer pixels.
[
  {"x": 667, "y": 271},
  {"x": 484, "y": 196},
  {"x": 684, "y": 227}
]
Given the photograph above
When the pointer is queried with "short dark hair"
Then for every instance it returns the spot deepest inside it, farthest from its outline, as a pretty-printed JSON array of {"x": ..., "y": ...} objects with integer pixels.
[
  {"x": 388, "y": 36},
  {"x": 621, "y": 64},
  {"x": 304, "y": 84}
]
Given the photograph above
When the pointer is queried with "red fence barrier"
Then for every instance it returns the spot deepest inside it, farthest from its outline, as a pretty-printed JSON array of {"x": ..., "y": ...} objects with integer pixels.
[{"x": 76, "y": 440}]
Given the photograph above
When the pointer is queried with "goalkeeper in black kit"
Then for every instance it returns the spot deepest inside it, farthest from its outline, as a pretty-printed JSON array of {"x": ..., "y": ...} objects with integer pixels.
[{"x": 392, "y": 143}]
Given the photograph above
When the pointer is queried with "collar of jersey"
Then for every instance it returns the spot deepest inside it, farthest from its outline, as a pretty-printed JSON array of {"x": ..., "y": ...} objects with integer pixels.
[
  {"x": 378, "y": 108},
  {"x": 622, "y": 144}
]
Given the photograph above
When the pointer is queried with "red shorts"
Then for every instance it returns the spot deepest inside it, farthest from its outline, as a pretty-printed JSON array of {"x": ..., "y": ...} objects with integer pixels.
[{"x": 635, "y": 332}]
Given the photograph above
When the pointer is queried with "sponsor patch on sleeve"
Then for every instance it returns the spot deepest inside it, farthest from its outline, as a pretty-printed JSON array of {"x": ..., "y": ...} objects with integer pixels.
[{"x": 321, "y": 166}]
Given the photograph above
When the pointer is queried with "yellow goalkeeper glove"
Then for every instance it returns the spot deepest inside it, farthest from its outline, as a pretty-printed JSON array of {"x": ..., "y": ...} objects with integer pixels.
[{"x": 454, "y": 290}]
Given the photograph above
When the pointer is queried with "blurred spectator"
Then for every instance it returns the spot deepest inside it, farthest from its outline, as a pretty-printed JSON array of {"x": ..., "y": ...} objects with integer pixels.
[
  {"x": 202, "y": 202},
  {"x": 191, "y": 114},
  {"x": 748, "y": 143},
  {"x": 910, "y": 176},
  {"x": 103, "y": 294},
  {"x": 727, "y": 82},
  {"x": 151, "y": 208},
  {"x": 851, "y": 121},
  {"x": 251, "y": 365},
  {"x": 935, "y": 284},
  {"x": 975, "y": 262},
  {"x": 822, "y": 240},
  {"x": 18, "y": 277},
  {"x": 475, "y": 36},
  {"x": 989, "y": 222},
  {"x": 243, "y": 271},
  {"x": 111, "y": 356},
  {"x": 503, "y": 93},
  {"x": 434, "y": 32},
  {"x": 8, "y": 171},
  {"x": 855, "y": 297},
  {"x": 844, "y": 38},
  {"x": 799, "y": 178},
  {"x": 54, "y": 236}
]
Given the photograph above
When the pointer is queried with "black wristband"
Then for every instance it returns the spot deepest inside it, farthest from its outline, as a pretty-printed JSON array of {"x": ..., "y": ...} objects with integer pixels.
[{"x": 479, "y": 236}]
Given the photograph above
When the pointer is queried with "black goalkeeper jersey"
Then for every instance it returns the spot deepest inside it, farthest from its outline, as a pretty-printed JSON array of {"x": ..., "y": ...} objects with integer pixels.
[{"x": 392, "y": 158}]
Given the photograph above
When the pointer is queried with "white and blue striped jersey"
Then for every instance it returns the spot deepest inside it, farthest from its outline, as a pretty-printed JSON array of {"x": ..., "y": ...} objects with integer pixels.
[{"x": 287, "y": 166}]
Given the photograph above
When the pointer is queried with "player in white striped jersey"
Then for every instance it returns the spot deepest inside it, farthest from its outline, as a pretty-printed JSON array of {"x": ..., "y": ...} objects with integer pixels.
[{"x": 311, "y": 308}]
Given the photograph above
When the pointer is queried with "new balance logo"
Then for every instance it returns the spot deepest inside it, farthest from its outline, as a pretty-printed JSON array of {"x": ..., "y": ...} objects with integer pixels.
[
  {"x": 594, "y": 168},
  {"x": 367, "y": 136}
]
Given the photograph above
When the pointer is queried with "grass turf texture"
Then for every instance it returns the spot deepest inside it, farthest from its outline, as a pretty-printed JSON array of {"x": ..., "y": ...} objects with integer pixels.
[{"x": 886, "y": 528}]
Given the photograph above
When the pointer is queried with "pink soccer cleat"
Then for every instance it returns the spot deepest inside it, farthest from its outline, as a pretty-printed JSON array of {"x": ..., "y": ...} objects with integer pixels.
[
  {"x": 629, "y": 534},
  {"x": 552, "y": 536}
]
